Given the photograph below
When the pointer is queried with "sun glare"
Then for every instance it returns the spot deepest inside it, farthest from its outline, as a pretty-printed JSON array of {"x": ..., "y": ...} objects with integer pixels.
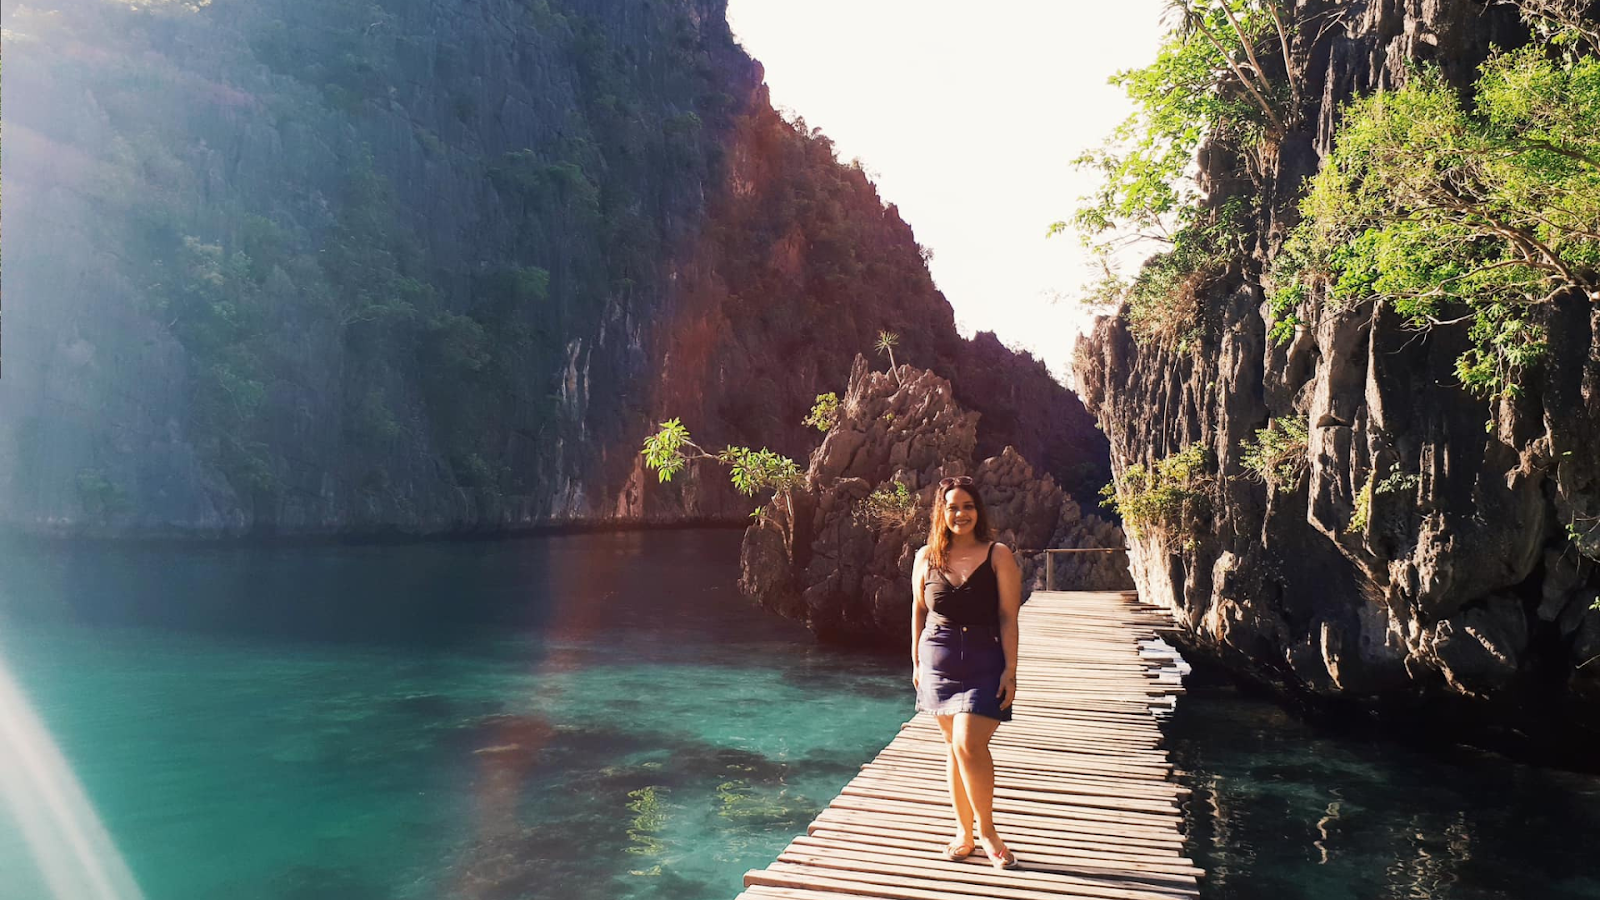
[{"x": 69, "y": 845}]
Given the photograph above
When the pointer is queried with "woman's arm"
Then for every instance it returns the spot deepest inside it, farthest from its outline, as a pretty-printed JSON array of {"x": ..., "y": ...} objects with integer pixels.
[
  {"x": 1010, "y": 577},
  {"x": 919, "y": 613}
]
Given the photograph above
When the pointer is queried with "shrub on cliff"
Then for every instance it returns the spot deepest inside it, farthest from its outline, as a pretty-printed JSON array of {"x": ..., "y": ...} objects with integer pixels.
[
  {"x": 1172, "y": 495},
  {"x": 1277, "y": 454},
  {"x": 825, "y": 414},
  {"x": 1451, "y": 212},
  {"x": 890, "y": 505}
]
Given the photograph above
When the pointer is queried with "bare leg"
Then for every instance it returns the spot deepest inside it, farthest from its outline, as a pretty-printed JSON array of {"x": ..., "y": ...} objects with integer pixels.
[
  {"x": 958, "y": 791},
  {"x": 971, "y": 743}
]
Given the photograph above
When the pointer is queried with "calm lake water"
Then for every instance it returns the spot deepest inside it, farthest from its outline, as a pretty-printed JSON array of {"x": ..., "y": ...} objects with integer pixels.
[{"x": 603, "y": 716}]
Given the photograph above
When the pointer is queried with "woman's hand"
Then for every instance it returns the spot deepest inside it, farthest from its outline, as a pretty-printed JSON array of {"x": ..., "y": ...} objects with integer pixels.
[
  {"x": 916, "y": 675},
  {"x": 1008, "y": 688}
]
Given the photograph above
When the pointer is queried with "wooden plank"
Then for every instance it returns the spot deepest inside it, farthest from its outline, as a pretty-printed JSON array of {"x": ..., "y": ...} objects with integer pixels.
[
  {"x": 1041, "y": 860},
  {"x": 1066, "y": 759},
  {"x": 1012, "y": 791},
  {"x": 1065, "y": 840},
  {"x": 1041, "y": 749},
  {"x": 1038, "y": 743},
  {"x": 1052, "y": 779},
  {"x": 1036, "y": 852},
  {"x": 1125, "y": 821},
  {"x": 1033, "y": 730},
  {"x": 1110, "y": 796},
  {"x": 1033, "y": 744},
  {"x": 933, "y": 843},
  {"x": 1065, "y": 806},
  {"x": 1052, "y": 821},
  {"x": 1061, "y": 764},
  {"x": 969, "y": 878},
  {"x": 1129, "y": 761},
  {"x": 1065, "y": 782}
]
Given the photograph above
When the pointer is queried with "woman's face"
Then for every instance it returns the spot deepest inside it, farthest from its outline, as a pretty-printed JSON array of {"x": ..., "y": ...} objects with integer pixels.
[{"x": 960, "y": 511}]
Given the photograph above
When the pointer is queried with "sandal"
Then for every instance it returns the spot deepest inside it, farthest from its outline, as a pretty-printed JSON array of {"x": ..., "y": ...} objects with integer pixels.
[
  {"x": 1007, "y": 860},
  {"x": 956, "y": 852}
]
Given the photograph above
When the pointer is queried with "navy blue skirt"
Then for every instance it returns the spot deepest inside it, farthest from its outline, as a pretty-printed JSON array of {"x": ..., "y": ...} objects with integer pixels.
[{"x": 959, "y": 670}]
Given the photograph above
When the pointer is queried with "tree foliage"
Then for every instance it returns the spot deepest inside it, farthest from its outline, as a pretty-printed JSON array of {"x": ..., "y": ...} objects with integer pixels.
[
  {"x": 1452, "y": 211},
  {"x": 1226, "y": 76},
  {"x": 669, "y": 450}
]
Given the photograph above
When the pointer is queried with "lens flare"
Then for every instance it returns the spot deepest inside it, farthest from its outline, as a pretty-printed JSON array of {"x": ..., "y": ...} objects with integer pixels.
[{"x": 70, "y": 846}]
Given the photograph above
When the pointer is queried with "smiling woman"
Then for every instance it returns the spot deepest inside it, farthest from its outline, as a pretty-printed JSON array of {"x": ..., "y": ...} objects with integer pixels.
[{"x": 967, "y": 591}]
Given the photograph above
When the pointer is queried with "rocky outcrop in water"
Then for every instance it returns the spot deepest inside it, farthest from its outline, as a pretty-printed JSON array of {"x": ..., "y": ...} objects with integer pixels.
[
  {"x": 335, "y": 266},
  {"x": 1457, "y": 588},
  {"x": 814, "y": 556}
]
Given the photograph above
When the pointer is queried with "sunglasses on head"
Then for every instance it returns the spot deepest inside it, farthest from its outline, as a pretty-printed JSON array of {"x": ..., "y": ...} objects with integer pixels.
[{"x": 946, "y": 484}]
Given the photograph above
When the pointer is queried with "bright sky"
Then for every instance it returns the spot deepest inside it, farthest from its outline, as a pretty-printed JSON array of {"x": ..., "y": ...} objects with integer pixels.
[{"x": 967, "y": 116}]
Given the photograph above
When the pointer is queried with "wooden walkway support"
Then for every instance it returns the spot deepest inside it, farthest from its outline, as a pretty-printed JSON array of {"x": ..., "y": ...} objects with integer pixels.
[{"x": 1083, "y": 790}]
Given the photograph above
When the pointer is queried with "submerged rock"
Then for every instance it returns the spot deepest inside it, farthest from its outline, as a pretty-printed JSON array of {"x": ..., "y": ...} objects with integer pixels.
[{"x": 813, "y": 555}]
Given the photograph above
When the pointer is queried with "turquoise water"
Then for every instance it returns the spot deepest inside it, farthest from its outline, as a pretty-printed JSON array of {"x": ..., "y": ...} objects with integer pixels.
[
  {"x": 603, "y": 716},
  {"x": 587, "y": 716}
]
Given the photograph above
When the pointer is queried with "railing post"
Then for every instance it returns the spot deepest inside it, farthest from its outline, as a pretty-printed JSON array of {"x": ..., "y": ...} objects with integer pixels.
[{"x": 1049, "y": 571}]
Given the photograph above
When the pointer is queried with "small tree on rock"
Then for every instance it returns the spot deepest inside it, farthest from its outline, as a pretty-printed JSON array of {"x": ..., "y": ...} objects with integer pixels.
[{"x": 885, "y": 344}]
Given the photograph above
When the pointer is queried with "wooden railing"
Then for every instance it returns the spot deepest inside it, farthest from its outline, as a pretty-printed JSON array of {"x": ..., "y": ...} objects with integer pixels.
[{"x": 1050, "y": 560}]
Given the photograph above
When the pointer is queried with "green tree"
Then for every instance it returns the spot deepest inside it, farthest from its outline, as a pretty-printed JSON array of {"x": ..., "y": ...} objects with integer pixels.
[
  {"x": 669, "y": 450},
  {"x": 1225, "y": 75},
  {"x": 1451, "y": 212}
]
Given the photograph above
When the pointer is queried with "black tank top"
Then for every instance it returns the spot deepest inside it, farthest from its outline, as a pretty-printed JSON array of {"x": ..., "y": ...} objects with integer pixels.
[{"x": 975, "y": 602}]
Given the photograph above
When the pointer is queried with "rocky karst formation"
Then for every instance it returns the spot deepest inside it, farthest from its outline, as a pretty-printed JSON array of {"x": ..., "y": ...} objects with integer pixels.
[
  {"x": 814, "y": 557},
  {"x": 342, "y": 266},
  {"x": 1461, "y": 592}
]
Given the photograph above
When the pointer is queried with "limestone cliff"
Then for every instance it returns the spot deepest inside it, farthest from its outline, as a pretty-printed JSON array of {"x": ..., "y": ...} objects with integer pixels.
[
  {"x": 343, "y": 266},
  {"x": 814, "y": 556},
  {"x": 1460, "y": 591}
]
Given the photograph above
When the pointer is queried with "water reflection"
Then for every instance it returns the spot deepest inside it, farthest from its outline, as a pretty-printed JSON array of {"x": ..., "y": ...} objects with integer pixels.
[{"x": 575, "y": 583}]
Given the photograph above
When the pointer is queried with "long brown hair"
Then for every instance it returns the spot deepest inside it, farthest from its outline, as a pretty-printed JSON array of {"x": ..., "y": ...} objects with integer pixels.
[{"x": 939, "y": 529}]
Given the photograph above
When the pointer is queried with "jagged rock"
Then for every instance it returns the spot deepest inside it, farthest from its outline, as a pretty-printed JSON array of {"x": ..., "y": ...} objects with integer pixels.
[
  {"x": 1463, "y": 585},
  {"x": 1585, "y": 658},
  {"x": 812, "y": 556},
  {"x": 1478, "y": 652}
]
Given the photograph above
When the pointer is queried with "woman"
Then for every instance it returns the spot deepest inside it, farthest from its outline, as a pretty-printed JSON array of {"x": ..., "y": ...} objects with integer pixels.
[{"x": 967, "y": 591}]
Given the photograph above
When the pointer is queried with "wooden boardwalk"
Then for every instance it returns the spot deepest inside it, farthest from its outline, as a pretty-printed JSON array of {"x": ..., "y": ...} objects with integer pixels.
[{"x": 1083, "y": 791}]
